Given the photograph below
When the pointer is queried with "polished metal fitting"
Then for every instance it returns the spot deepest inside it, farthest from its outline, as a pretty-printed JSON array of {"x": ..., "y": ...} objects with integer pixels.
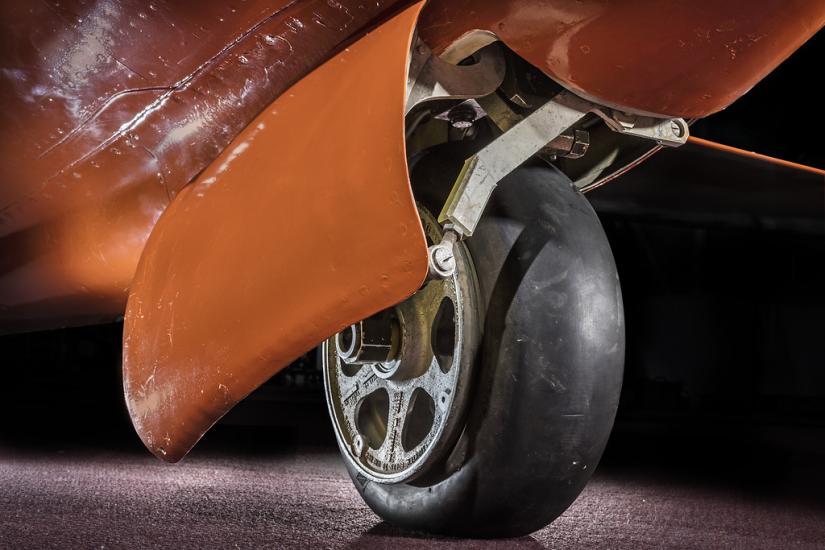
[
  {"x": 373, "y": 340},
  {"x": 441, "y": 256}
]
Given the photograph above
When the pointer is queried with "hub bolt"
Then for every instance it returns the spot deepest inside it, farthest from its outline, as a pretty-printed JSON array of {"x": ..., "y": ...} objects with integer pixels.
[
  {"x": 358, "y": 445},
  {"x": 444, "y": 400}
]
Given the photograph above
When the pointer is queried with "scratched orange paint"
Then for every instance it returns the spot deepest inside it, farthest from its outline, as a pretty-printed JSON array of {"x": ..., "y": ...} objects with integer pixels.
[{"x": 291, "y": 234}]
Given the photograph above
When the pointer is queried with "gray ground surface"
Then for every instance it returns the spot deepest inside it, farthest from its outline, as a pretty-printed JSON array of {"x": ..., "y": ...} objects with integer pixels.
[{"x": 299, "y": 498}]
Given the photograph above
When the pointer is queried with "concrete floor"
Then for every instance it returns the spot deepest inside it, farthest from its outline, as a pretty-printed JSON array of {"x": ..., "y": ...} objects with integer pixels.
[{"x": 299, "y": 496}]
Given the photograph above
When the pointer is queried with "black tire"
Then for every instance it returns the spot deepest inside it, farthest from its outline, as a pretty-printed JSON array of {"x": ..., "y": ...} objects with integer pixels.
[{"x": 548, "y": 373}]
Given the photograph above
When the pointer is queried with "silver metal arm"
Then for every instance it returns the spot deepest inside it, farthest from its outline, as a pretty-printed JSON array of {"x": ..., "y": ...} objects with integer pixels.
[{"x": 482, "y": 172}]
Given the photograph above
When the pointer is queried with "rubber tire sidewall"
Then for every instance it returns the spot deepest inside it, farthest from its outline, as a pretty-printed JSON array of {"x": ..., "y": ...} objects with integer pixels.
[{"x": 549, "y": 370}]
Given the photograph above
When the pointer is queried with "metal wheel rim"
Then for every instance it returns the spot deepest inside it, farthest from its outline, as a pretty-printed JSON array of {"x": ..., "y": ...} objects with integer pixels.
[{"x": 426, "y": 387}]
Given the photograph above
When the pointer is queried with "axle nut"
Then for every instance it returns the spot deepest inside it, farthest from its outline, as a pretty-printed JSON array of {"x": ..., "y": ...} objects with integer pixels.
[{"x": 442, "y": 261}]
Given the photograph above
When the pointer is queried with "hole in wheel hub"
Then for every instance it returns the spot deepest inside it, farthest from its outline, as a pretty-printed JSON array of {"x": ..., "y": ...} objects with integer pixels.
[
  {"x": 395, "y": 383},
  {"x": 372, "y": 420}
]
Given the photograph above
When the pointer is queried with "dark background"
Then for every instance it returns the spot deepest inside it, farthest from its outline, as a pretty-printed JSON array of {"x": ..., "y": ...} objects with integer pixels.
[{"x": 722, "y": 269}]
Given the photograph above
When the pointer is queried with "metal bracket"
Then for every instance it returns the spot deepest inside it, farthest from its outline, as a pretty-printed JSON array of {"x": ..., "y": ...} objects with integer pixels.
[
  {"x": 671, "y": 132},
  {"x": 431, "y": 78},
  {"x": 482, "y": 172},
  {"x": 526, "y": 137}
]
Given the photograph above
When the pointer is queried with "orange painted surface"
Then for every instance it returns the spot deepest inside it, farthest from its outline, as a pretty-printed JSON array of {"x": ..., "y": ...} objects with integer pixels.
[
  {"x": 687, "y": 58},
  {"x": 755, "y": 156},
  {"x": 76, "y": 266},
  {"x": 305, "y": 222},
  {"x": 109, "y": 107},
  {"x": 304, "y": 225}
]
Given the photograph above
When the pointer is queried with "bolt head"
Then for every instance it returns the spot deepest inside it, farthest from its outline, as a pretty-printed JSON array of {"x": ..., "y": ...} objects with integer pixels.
[
  {"x": 443, "y": 259},
  {"x": 444, "y": 400},
  {"x": 358, "y": 445},
  {"x": 677, "y": 129},
  {"x": 462, "y": 117}
]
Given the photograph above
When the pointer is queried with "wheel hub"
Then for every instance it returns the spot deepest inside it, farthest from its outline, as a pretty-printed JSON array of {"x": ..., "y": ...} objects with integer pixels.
[{"x": 396, "y": 383}]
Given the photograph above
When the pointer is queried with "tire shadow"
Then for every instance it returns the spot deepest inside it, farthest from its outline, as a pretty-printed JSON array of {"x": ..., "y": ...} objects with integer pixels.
[{"x": 384, "y": 535}]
